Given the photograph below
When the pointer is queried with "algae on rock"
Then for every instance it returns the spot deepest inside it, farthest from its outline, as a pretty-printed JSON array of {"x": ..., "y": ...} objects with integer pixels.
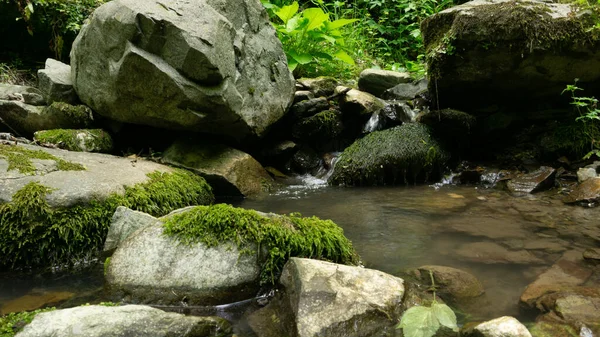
[
  {"x": 19, "y": 158},
  {"x": 87, "y": 140}
]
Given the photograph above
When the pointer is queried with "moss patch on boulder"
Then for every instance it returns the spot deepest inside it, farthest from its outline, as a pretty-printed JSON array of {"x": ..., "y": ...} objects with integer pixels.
[
  {"x": 14, "y": 322},
  {"x": 403, "y": 154},
  {"x": 281, "y": 237},
  {"x": 92, "y": 140},
  {"x": 19, "y": 158},
  {"x": 34, "y": 235},
  {"x": 77, "y": 115}
]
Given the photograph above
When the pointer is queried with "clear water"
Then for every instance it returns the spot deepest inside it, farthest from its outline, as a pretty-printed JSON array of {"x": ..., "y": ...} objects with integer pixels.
[{"x": 399, "y": 228}]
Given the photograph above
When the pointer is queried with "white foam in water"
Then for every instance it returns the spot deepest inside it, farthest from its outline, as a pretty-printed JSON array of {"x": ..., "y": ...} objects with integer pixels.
[
  {"x": 446, "y": 180},
  {"x": 585, "y": 332},
  {"x": 372, "y": 123}
]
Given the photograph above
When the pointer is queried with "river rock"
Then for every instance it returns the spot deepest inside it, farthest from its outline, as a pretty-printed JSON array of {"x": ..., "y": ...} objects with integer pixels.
[
  {"x": 319, "y": 129},
  {"x": 518, "y": 54},
  {"x": 321, "y": 86},
  {"x": 21, "y": 93},
  {"x": 305, "y": 160},
  {"x": 309, "y": 107},
  {"x": 128, "y": 320},
  {"x": 207, "y": 66},
  {"x": 536, "y": 181},
  {"x": 124, "y": 222},
  {"x": 407, "y": 153},
  {"x": 335, "y": 300},
  {"x": 505, "y": 326},
  {"x": 588, "y": 192},
  {"x": 229, "y": 171},
  {"x": 376, "y": 81},
  {"x": 452, "y": 126},
  {"x": 592, "y": 254},
  {"x": 453, "y": 284},
  {"x": 589, "y": 171},
  {"x": 406, "y": 91},
  {"x": 359, "y": 103},
  {"x": 84, "y": 140},
  {"x": 55, "y": 82},
  {"x": 493, "y": 253}
]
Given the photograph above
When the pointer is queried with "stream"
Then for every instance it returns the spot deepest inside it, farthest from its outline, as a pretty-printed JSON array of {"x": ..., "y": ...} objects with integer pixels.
[{"x": 502, "y": 239}]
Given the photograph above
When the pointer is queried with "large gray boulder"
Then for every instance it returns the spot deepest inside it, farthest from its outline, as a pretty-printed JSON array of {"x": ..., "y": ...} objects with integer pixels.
[
  {"x": 211, "y": 66},
  {"x": 125, "y": 222},
  {"x": 335, "y": 300},
  {"x": 231, "y": 172},
  {"x": 55, "y": 82},
  {"x": 503, "y": 53},
  {"x": 128, "y": 320}
]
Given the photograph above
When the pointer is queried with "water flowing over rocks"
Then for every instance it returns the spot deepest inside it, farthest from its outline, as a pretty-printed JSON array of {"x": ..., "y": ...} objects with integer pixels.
[
  {"x": 128, "y": 320},
  {"x": 334, "y": 300},
  {"x": 206, "y": 66}
]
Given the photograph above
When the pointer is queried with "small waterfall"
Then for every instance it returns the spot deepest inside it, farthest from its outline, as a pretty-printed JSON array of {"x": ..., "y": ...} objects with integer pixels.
[
  {"x": 392, "y": 114},
  {"x": 372, "y": 123}
]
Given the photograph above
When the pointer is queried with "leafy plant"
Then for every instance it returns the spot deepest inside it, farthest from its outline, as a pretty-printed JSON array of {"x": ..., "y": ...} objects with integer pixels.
[
  {"x": 589, "y": 116},
  {"x": 309, "y": 36},
  {"x": 422, "y": 321}
]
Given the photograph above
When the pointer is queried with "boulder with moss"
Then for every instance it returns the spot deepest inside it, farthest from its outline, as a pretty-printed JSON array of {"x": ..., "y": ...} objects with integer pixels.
[
  {"x": 231, "y": 172},
  {"x": 217, "y": 254},
  {"x": 127, "y": 320},
  {"x": 407, "y": 153},
  {"x": 84, "y": 140},
  {"x": 56, "y": 205},
  {"x": 322, "y": 128},
  {"x": 517, "y": 54},
  {"x": 207, "y": 66}
]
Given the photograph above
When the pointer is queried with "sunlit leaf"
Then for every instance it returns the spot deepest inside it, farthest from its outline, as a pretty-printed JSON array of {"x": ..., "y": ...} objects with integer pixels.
[
  {"x": 444, "y": 315},
  {"x": 316, "y": 18},
  {"x": 300, "y": 58},
  {"x": 338, "y": 23},
  {"x": 343, "y": 56},
  {"x": 419, "y": 322},
  {"x": 287, "y": 12}
]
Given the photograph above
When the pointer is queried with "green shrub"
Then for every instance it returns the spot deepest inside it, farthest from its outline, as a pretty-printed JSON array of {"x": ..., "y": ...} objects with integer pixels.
[{"x": 589, "y": 119}]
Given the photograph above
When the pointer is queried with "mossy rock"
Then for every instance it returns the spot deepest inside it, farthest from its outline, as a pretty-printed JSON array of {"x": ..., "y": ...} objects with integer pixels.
[
  {"x": 321, "y": 128},
  {"x": 514, "y": 54},
  {"x": 400, "y": 155},
  {"x": 92, "y": 140},
  {"x": 56, "y": 205}
]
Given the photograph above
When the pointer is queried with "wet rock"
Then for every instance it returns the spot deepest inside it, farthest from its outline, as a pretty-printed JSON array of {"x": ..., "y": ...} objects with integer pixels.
[
  {"x": 376, "y": 81},
  {"x": 83, "y": 140},
  {"x": 592, "y": 254},
  {"x": 305, "y": 160},
  {"x": 55, "y": 82},
  {"x": 406, "y": 91},
  {"x": 586, "y": 173},
  {"x": 359, "y": 103},
  {"x": 125, "y": 222},
  {"x": 551, "y": 329},
  {"x": 407, "y": 153},
  {"x": 505, "y": 326},
  {"x": 580, "y": 310},
  {"x": 569, "y": 271},
  {"x": 128, "y": 320},
  {"x": 533, "y": 182},
  {"x": 452, "y": 284},
  {"x": 230, "y": 172},
  {"x": 309, "y": 107},
  {"x": 493, "y": 253},
  {"x": 36, "y": 299},
  {"x": 214, "y": 67},
  {"x": 320, "y": 86},
  {"x": 586, "y": 192},
  {"x": 303, "y": 95},
  {"x": 328, "y": 299},
  {"x": 509, "y": 70},
  {"x": 452, "y": 126},
  {"x": 319, "y": 129}
]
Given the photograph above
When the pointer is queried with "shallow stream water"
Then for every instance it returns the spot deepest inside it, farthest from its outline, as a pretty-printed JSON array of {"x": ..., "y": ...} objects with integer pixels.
[{"x": 503, "y": 239}]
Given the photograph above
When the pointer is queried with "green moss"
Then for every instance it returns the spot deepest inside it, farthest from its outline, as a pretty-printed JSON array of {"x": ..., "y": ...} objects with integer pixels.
[
  {"x": 14, "y": 322},
  {"x": 19, "y": 158},
  {"x": 33, "y": 235},
  {"x": 321, "y": 127},
  {"x": 282, "y": 236},
  {"x": 92, "y": 140},
  {"x": 402, "y": 154},
  {"x": 106, "y": 264},
  {"x": 77, "y": 115}
]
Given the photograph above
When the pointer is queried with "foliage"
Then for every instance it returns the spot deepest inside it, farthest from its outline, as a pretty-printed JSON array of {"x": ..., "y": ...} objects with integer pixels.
[
  {"x": 281, "y": 236},
  {"x": 12, "y": 323},
  {"x": 309, "y": 36},
  {"x": 19, "y": 158},
  {"x": 59, "y": 18},
  {"x": 12, "y": 74},
  {"x": 423, "y": 321},
  {"x": 589, "y": 117},
  {"x": 32, "y": 234}
]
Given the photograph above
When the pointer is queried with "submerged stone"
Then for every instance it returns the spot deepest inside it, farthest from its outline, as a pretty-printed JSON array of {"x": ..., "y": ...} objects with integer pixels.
[
  {"x": 536, "y": 181},
  {"x": 403, "y": 154},
  {"x": 452, "y": 284}
]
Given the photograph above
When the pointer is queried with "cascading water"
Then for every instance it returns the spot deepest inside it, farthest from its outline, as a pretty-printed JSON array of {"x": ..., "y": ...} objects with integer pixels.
[{"x": 392, "y": 114}]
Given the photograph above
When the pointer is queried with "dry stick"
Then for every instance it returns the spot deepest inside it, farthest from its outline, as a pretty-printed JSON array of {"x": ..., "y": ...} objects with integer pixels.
[{"x": 8, "y": 126}]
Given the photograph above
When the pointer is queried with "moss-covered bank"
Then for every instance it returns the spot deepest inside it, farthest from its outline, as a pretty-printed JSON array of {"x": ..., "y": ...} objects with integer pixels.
[
  {"x": 400, "y": 155},
  {"x": 34, "y": 235},
  {"x": 280, "y": 236},
  {"x": 19, "y": 158},
  {"x": 89, "y": 140}
]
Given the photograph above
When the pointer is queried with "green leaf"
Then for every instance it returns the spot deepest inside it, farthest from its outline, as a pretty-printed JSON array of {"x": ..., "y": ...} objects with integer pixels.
[
  {"x": 326, "y": 37},
  {"x": 338, "y": 23},
  {"x": 292, "y": 24},
  {"x": 30, "y": 7},
  {"x": 300, "y": 58},
  {"x": 316, "y": 18},
  {"x": 343, "y": 56},
  {"x": 444, "y": 315},
  {"x": 287, "y": 12},
  {"x": 419, "y": 322}
]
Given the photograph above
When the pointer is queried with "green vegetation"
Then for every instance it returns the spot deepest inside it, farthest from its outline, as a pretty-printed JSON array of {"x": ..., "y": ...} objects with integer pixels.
[
  {"x": 281, "y": 236},
  {"x": 78, "y": 115},
  {"x": 14, "y": 322},
  {"x": 589, "y": 120},
  {"x": 92, "y": 140},
  {"x": 13, "y": 74},
  {"x": 33, "y": 235},
  {"x": 403, "y": 154},
  {"x": 19, "y": 158}
]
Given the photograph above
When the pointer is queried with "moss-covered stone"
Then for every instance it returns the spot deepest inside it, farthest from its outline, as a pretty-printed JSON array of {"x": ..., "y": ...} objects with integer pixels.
[
  {"x": 32, "y": 234},
  {"x": 91, "y": 140},
  {"x": 19, "y": 158},
  {"x": 320, "y": 128},
  {"x": 280, "y": 236},
  {"x": 79, "y": 116},
  {"x": 403, "y": 154},
  {"x": 12, "y": 323}
]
